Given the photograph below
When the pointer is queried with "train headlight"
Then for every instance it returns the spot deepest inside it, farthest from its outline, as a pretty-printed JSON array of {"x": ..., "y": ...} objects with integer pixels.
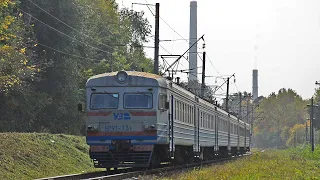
[
  {"x": 122, "y": 76},
  {"x": 93, "y": 127}
]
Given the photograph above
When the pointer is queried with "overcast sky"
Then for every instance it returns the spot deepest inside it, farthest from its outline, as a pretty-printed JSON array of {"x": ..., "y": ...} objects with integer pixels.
[{"x": 282, "y": 35}]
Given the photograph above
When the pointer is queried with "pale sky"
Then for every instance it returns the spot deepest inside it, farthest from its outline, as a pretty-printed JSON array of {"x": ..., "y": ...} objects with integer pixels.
[{"x": 285, "y": 34}]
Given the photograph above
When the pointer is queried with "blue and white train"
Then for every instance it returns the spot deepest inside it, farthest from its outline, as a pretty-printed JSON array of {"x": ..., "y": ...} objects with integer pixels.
[{"x": 138, "y": 119}]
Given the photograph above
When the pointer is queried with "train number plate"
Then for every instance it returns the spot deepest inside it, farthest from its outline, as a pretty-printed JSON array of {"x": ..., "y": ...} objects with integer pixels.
[
  {"x": 99, "y": 148},
  {"x": 117, "y": 128}
]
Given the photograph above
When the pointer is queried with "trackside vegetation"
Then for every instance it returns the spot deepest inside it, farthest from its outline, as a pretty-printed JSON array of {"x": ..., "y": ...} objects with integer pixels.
[
  {"x": 32, "y": 155},
  {"x": 294, "y": 163}
]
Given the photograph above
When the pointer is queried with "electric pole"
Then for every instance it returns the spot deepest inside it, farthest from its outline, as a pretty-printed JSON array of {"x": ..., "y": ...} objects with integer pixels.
[
  {"x": 156, "y": 40},
  {"x": 307, "y": 130},
  {"x": 311, "y": 126},
  {"x": 245, "y": 125},
  {"x": 239, "y": 117},
  {"x": 251, "y": 125},
  {"x": 203, "y": 73},
  {"x": 227, "y": 97}
]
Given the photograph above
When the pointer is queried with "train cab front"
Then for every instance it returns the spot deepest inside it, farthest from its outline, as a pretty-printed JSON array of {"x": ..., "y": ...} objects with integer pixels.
[{"x": 121, "y": 122}]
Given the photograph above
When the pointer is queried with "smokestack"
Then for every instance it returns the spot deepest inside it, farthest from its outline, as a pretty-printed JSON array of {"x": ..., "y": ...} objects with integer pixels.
[
  {"x": 192, "y": 39},
  {"x": 255, "y": 84}
]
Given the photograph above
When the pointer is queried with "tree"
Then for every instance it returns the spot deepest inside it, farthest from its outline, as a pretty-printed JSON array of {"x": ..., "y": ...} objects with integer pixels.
[
  {"x": 16, "y": 67},
  {"x": 316, "y": 122},
  {"x": 49, "y": 49},
  {"x": 281, "y": 114}
]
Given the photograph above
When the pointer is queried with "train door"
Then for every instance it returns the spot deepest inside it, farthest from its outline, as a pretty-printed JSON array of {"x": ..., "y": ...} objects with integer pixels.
[
  {"x": 229, "y": 133},
  {"x": 171, "y": 128},
  {"x": 216, "y": 131},
  {"x": 238, "y": 135},
  {"x": 196, "y": 144},
  {"x": 245, "y": 136}
]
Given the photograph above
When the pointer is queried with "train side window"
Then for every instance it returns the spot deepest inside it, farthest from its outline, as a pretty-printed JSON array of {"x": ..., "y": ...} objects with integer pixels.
[
  {"x": 180, "y": 111},
  {"x": 234, "y": 129},
  {"x": 183, "y": 113},
  {"x": 175, "y": 109},
  {"x": 189, "y": 107},
  {"x": 231, "y": 128},
  {"x": 179, "y": 117},
  {"x": 192, "y": 115},
  {"x": 189, "y": 114},
  {"x": 232, "y": 125},
  {"x": 162, "y": 101},
  {"x": 204, "y": 120},
  {"x": 208, "y": 121}
]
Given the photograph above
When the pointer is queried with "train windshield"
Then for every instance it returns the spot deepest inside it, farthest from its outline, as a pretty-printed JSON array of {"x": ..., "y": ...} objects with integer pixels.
[
  {"x": 104, "y": 101},
  {"x": 138, "y": 101}
]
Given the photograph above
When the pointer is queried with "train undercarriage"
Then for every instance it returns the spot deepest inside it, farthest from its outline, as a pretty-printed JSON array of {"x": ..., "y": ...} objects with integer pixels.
[{"x": 160, "y": 154}]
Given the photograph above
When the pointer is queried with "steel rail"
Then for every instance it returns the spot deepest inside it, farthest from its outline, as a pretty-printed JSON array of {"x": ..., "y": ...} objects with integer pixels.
[{"x": 134, "y": 172}]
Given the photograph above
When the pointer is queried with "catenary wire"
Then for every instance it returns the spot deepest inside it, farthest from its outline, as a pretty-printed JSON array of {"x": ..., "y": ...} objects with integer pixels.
[{"x": 63, "y": 32}]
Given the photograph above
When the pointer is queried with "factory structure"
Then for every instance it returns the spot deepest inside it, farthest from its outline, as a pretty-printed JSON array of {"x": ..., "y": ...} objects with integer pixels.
[
  {"x": 254, "y": 84},
  {"x": 234, "y": 99},
  {"x": 193, "y": 72}
]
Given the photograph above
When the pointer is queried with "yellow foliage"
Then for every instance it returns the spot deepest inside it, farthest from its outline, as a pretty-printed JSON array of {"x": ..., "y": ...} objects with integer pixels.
[
  {"x": 296, "y": 127},
  {"x": 23, "y": 50}
]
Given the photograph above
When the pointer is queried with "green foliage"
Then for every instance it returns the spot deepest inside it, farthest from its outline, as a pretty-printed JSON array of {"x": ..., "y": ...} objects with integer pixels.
[
  {"x": 15, "y": 65},
  {"x": 283, "y": 115},
  {"x": 44, "y": 65},
  {"x": 316, "y": 122},
  {"x": 31, "y": 156}
]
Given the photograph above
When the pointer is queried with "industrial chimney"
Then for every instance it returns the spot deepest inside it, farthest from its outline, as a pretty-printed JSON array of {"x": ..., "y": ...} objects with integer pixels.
[
  {"x": 255, "y": 84},
  {"x": 192, "y": 39}
]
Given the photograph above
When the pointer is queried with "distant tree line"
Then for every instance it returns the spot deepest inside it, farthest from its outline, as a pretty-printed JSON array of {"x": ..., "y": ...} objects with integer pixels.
[
  {"x": 283, "y": 118},
  {"x": 49, "y": 48}
]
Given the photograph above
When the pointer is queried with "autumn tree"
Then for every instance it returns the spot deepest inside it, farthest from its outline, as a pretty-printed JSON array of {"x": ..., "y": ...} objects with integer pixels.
[{"x": 281, "y": 114}]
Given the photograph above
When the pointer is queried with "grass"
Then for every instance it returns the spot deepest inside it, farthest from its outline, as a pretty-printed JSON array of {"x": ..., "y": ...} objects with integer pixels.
[
  {"x": 297, "y": 163},
  {"x": 32, "y": 155}
]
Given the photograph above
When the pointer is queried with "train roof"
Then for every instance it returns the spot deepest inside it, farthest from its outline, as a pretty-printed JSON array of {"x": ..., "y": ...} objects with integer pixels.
[{"x": 134, "y": 77}]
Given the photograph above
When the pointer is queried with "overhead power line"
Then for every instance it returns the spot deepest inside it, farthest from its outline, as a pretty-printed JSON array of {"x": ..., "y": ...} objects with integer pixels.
[
  {"x": 63, "y": 32},
  {"x": 62, "y": 52},
  {"x": 69, "y": 25}
]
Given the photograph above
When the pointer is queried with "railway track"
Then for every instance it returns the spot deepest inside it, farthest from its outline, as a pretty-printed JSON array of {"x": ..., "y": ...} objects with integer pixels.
[{"x": 135, "y": 173}]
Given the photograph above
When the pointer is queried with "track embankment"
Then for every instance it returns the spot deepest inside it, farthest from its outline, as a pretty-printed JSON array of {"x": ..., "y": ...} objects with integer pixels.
[{"x": 33, "y": 155}]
